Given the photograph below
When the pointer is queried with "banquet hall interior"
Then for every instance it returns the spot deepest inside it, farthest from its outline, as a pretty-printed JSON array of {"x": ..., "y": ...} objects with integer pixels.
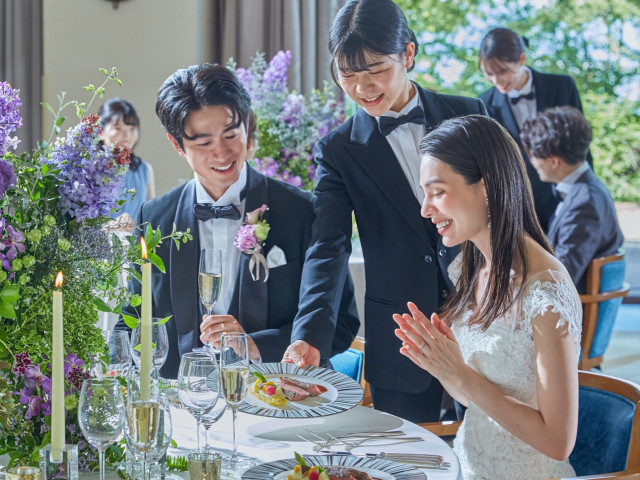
[{"x": 53, "y": 46}]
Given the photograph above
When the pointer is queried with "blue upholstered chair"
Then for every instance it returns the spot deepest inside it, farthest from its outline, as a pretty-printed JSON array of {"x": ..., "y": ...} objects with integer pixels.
[
  {"x": 608, "y": 438},
  {"x": 351, "y": 363},
  {"x": 605, "y": 289}
]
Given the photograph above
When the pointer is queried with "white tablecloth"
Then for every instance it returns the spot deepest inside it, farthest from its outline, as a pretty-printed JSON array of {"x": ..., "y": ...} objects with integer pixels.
[{"x": 268, "y": 439}]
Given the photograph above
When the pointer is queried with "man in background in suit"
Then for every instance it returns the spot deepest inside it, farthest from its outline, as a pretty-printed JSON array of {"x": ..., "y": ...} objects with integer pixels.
[
  {"x": 584, "y": 225},
  {"x": 205, "y": 111}
]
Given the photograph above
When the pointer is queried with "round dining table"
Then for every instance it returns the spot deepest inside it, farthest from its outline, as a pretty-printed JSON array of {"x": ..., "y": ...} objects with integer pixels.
[{"x": 267, "y": 439}]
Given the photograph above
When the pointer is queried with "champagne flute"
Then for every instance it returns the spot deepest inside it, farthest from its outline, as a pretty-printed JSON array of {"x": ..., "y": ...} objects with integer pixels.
[
  {"x": 183, "y": 384},
  {"x": 101, "y": 414},
  {"x": 209, "y": 279},
  {"x": 234, "y": 373},
  {"x": 143, "y": 414}
]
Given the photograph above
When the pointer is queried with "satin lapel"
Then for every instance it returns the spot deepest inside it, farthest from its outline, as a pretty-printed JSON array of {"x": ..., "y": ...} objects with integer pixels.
[
  {"x": 250, "y": 299},
  {"x": 374, "y": 154},
  {"x": 183, "y": 266},
  {"x": 501, "y": 104}
]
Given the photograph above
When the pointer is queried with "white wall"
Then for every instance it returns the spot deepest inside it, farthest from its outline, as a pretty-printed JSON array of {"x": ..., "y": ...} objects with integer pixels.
[{"x": 146, "y": 40}]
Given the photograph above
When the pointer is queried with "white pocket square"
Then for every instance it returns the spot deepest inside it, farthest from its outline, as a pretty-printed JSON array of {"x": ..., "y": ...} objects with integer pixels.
[{"x": 276, "y": 257}]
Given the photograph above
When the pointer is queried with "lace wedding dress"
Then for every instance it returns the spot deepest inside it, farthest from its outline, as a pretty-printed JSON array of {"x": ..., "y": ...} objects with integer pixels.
[{"x": 504, "y": 354}]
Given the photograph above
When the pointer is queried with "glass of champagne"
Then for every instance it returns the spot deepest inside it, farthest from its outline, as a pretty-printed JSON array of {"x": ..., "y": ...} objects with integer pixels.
[
  {"x": 143, "y": 413},
  {"x": 183, "y": 384},
  {"x": 101, "y": 414},
  {"x": 234, "y": 374},
  {"x": 210, "y": 278}
]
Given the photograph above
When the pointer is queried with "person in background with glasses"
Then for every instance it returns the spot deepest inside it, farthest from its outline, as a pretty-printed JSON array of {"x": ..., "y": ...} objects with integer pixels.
[{"x": 205, "y": 111}]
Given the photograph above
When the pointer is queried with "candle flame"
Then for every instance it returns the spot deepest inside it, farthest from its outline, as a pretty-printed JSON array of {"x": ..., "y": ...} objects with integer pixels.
[
  {"x": 144, "y": 248},
  {"x": 59, "y": 280}
]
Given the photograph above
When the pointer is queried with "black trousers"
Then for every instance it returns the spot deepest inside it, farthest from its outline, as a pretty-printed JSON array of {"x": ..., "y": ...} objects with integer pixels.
[{"x": 416, "y": 407}]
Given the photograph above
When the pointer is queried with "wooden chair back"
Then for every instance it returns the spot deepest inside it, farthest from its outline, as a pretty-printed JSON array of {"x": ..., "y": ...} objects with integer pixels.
[{"x": 594, "y": 325}]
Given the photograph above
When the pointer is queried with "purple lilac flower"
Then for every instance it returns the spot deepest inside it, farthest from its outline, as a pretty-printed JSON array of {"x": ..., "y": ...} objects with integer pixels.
[
  {"x": 267, "y": 166},
  {"x": 246, "y": 238},
  {"x": 8, "y": 177},
  {"x": 20, "y": 363},
  {"x": 293, "y": 111},
  {"x": 275, "y": 76},
  {"x": 246, "y": 78},
  {"x": 10, "y": 119},
  {"x": 91, "y": 174}
]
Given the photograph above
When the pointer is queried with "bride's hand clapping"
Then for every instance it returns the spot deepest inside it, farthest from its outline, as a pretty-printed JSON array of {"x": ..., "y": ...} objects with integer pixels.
[{"x": 430, "y": 344}]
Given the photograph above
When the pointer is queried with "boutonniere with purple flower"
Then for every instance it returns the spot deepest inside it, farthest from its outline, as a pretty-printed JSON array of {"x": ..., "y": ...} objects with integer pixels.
[{"x": 250, "y": 239}]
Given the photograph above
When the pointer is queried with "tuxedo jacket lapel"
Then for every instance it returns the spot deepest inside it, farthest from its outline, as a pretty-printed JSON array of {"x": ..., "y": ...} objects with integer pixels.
[
  {"x": 249, "y": 303},
  {"x": 366, "y": 138},
  {"x": 544, "y": 92},
  {"x": 184, "y": 273},
  {"x": 500, "y": 103}
]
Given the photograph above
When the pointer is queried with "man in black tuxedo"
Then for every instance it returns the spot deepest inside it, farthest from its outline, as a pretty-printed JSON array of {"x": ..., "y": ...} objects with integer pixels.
[
  {"x": 205, "y": 112},
  {"x": 542, "y": 91},
  {"x": 584, "y": 225}
]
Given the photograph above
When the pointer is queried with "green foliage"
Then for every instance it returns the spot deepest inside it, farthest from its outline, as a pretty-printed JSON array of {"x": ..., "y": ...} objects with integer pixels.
[{"x": 588, "y": 40}]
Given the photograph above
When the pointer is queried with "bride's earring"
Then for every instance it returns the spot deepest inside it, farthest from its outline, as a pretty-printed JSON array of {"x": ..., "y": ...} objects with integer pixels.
[{"x": 488, "y": 214}]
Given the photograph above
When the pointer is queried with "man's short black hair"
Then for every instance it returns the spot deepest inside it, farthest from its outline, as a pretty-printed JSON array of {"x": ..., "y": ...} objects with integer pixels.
[
  {"x": 559, "y": 131},
  {"x": 189, "y": 89}
]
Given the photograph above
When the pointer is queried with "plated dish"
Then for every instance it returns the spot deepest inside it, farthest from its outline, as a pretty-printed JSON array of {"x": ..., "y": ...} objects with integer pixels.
[
  {"x": 376, "y": 468},
  {"x": 338, "y": 392}
]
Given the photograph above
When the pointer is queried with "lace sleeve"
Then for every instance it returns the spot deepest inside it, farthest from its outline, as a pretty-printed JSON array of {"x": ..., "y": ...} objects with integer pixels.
[{"x": 555, "y": 290}]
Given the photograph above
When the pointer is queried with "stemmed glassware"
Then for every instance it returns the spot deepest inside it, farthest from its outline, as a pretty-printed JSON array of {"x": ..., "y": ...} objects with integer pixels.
[
  {"x": 119, "y": 353},
  {"x": 159, "y": 444},
  {"x": 160, "y": 343},
  {"x": 101, "y": 414},
  {"x": 234, "y": 375},
  {"x": 209, "y": 279},
  {"x": 209, "y": 418},
  {"x": 198, "y": 385},
  {"x": 142, "y": 414}
]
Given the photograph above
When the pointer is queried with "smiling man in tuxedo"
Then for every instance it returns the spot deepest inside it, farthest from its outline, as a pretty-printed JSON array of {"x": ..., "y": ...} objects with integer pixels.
[{"x": 205, "y": 111}]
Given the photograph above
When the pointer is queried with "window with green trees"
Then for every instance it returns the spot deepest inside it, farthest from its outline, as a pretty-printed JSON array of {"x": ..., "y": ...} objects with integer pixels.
[{"x": 597, "y": 42}]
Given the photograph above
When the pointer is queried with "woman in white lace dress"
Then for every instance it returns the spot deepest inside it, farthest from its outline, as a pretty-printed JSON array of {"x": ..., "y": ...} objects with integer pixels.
[{"x": 506, "y": 343}]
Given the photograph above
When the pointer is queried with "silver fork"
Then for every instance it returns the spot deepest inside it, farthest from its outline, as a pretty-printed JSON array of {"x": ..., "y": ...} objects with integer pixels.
[{"x": 348, "y": 446}]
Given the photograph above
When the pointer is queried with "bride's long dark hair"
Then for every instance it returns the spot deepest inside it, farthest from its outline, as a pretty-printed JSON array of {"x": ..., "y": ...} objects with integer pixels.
[{"x": 478, "y": 147}]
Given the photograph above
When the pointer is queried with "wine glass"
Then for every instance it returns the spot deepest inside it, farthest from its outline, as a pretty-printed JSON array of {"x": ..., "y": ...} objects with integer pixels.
[
  {"x": 234, "y": 375},
  {"x": 101, "y": 414},
  {"x": 159, "y": 445},
  {"x": 143, "y": 413},
  {"x": 183, "y": 384},
  {"x": 160, "y": 343},
  {"x": 119, "y": 353},
  {"x": 208, "y": 419},
  {"x": 202, "y": 390},
  {"x": 209, "y": 280}
]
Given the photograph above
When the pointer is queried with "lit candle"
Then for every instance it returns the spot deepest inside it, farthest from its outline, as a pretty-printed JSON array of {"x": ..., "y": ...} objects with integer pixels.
[
  {"x": 57, "y": 371},
  {"x": 146, "y": 354}
]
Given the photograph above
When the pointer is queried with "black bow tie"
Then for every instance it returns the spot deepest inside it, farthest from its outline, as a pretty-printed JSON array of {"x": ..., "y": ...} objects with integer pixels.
[
  {"x": 557, "y": 193},
  {"x": 529, "y": 96},
  {"x": 207, "y": 211},
  {"x": 389, "y": 124}
]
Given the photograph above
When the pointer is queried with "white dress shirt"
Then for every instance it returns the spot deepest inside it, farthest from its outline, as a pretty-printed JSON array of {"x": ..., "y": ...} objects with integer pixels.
[
  {"x": 220, "y": 233},
  {"x": 405, "y": 142},
  {"x": 525, "y": 108},
  {"x": 566, "y": 184}
]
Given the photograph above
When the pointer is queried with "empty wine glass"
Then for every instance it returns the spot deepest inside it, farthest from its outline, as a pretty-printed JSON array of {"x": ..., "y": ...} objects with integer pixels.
[
  {"x": 234, "y": 375},
  {"x": 183, "y": 385},
  {"x": 142, "y": 413},
  {"x": 209, "y": 282},
  {"x": 160, "y": 343},
  {"x": 209, "y": 418},
  {"x": 101, "y": 414},
  {"x": 119, "y": 353}
]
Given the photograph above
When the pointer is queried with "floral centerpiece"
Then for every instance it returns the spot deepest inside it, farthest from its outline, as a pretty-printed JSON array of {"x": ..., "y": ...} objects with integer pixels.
[
  {"x": 55, "y": 205},
  {"x": 288, "y": 123}
]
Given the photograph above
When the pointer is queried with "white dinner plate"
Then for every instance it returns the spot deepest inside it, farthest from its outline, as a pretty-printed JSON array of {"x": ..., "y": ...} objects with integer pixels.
[
  {"x": 343, "y": 392},
  {"x": 376, "y": 468}
]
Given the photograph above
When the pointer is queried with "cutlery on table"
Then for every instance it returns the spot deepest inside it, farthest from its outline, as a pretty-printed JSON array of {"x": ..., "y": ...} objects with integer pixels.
[
  {"x": 348, "y": 446},
  {"x": 415, "y": 459}
]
